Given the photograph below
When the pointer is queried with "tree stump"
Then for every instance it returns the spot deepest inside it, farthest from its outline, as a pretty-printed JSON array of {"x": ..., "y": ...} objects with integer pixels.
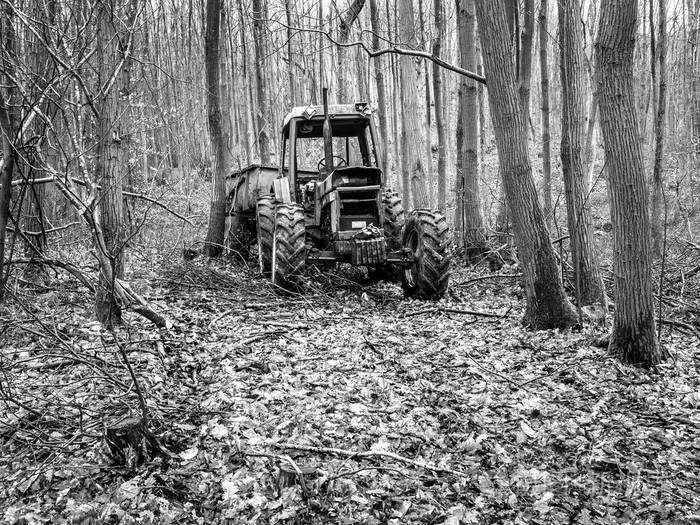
[
  {"x": 289, "y": 476},
  {"x": 131, "y": 443}
]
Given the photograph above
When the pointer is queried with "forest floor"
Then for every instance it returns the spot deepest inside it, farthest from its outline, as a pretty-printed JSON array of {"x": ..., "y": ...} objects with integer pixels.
[{"x": 395, "y": 411}]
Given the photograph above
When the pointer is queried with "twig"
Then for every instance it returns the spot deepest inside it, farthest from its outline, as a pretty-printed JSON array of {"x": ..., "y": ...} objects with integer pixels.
[
  {"x": 458, "y": 311},
  {"x": 371, "y": 454},
  {"x": 487, "y": 277},
  {"x": 257, "y": 337},
  {"x": 679, "y": 324}
]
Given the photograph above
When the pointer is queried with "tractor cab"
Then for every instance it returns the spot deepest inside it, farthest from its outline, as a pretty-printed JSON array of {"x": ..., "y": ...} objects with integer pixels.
[{"x": 331, "y": 161}]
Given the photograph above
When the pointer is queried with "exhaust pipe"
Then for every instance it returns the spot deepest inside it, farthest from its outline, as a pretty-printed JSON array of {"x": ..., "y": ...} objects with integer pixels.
[{"x": 327, "y": 133}]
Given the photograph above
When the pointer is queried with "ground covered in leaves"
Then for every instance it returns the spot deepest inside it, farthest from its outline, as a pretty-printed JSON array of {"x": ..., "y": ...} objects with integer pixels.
[{"x": 345, "y": 404}]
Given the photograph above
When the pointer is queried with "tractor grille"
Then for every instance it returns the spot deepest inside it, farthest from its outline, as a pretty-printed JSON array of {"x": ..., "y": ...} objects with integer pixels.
[{"x": 368, "y": 251}]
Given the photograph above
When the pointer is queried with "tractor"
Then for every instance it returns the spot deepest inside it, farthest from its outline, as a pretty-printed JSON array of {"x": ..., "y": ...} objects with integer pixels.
[{"x": 328, "y": 202}]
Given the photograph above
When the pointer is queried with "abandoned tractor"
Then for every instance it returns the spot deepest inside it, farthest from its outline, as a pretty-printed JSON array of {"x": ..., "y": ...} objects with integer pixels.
[{"x": 327, "y": 202}]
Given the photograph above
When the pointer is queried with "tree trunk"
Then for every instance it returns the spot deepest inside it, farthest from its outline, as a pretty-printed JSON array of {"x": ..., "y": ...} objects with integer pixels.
[
  {"x": 217, "y": 212},
  {"x": 8, "y": 123},
  {"x": 633, "y": 337},
  {"x": 291, "y": 76},
  {"x": 110, "y": 141},
  {"x": 345, "y": 90},
  {"x": 8, "y": 162},
  {"x": 459, "y": 165},
  {"x": 381, "y": 87},
  {"x": 547, "y": 305},
  {"x": 546, "y": 146},
  {"x": 412, "y": 135},
  {"x": 437, "y": 96},
  {"x": 525, "y": 69},
  {"x": 474, "y": 237},
  {"x": 657, "y": 217},
  {"x": 588, "y": 281},
  {"x": 262, "y": 106}
]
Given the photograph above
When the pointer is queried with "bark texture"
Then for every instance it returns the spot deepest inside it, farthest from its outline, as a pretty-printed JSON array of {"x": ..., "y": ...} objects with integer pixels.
[
  {"x": 413, "y": 140},
  {"x": 547, "y": 305},
  {"x": 544, "y": 108},
  {"x": 345, "y": 86},
  {"x": 110, "y": 210},
  {"x": 381, "y": 87},
  {"x": 657, "y": 217},
  {"x": 262, "y": 105},
  {"x": 473, "y": 225},
  {"x": 588, "y": 281},
  {"x": 7, "y": 129},
  {"x": 437, "y": 96},
  {"x": 217, "y": 211},
  {"x": 633, "y": 337},
  {"x": 525, "y": 69}
]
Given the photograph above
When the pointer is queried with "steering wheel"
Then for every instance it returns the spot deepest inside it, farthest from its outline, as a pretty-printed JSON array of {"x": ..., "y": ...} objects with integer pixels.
[{"x": 341, "y": 162}]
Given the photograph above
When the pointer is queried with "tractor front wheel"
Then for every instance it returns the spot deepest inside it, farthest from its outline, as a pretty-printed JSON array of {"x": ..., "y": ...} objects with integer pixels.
[
  {"x": 425, "y": 234},
  {"x": 265, "y": 225},
  {"x": 288, "y": 245}
]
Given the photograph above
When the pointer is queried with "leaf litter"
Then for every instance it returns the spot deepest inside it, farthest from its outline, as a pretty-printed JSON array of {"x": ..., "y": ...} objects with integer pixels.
[{"x": 346, "y": 404}]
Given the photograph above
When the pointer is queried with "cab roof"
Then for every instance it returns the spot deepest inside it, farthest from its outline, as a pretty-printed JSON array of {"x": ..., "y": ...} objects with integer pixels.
[{"x": 358, "y": 109}]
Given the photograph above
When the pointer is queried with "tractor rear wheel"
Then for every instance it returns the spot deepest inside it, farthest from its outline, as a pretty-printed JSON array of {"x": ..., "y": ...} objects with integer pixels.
[
  {"x": 425, "y": 234},
  {"x": 288, "y": 245},
  {"x": 265, "y": 225},
  {"x": 394, "y": 220}
]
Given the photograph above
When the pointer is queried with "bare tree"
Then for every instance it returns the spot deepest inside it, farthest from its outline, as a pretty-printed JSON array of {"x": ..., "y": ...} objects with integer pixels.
[
  {"x": 345, "y": 91},
  {"x": 413, "y": 138},
  {"x": 658, "y": 52},
  {"x": 525, "y": 59},
  {"x": 110, "y": 49},
  {"x": 633, "y": 336},
  {"x": 437, "y": 95},
  {"x": 217, "y": 211},
  {"x": 8, "y": 127},
  {"x": 263, "y": 109},
  {"x": 588, "y": 281},
  {"x": 546, "y": 137},
  {"x": 547, "y": 305},
  {"x": 469, "y": 197},
  {"x": 381, "y": 86}
]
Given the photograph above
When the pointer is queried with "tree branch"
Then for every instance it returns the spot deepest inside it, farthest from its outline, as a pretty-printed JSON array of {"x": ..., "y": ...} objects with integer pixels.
[{"x": 393, "y": 49}]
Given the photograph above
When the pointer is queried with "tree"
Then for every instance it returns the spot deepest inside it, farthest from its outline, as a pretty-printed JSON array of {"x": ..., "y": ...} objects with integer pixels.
[
  {"x": 525, "y": 59},
  {"x": 111, "y": 48},
  {"x": 412, "y": 136},
  {"x": 469, "y": 196},
  {"x": 547, "y": 305},
  {"x": 263, "y": 110},
  {"x": 633, "y": 337},
  {"x": 659, "y": 126},
  {"x": 345, "y": 94},
  {"x": 544, "y": 87},
  {"x": 8, "y": 126},
  {"x": 588, "y": 281},
  {"x": 381, "y": 86},
  {"x": 437, "y": 95},
  {"x": 217, "y": 211}
]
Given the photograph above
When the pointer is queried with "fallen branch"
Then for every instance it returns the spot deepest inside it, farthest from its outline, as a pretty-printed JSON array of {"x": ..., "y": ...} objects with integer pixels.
[
  {"x": 459, "y": 311},
  {"x": 371, "y": 454},
  {"x": 257, "y": 337},
  {"x": 681, "y": 326},
  {"x": 488, "y": 277}
]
